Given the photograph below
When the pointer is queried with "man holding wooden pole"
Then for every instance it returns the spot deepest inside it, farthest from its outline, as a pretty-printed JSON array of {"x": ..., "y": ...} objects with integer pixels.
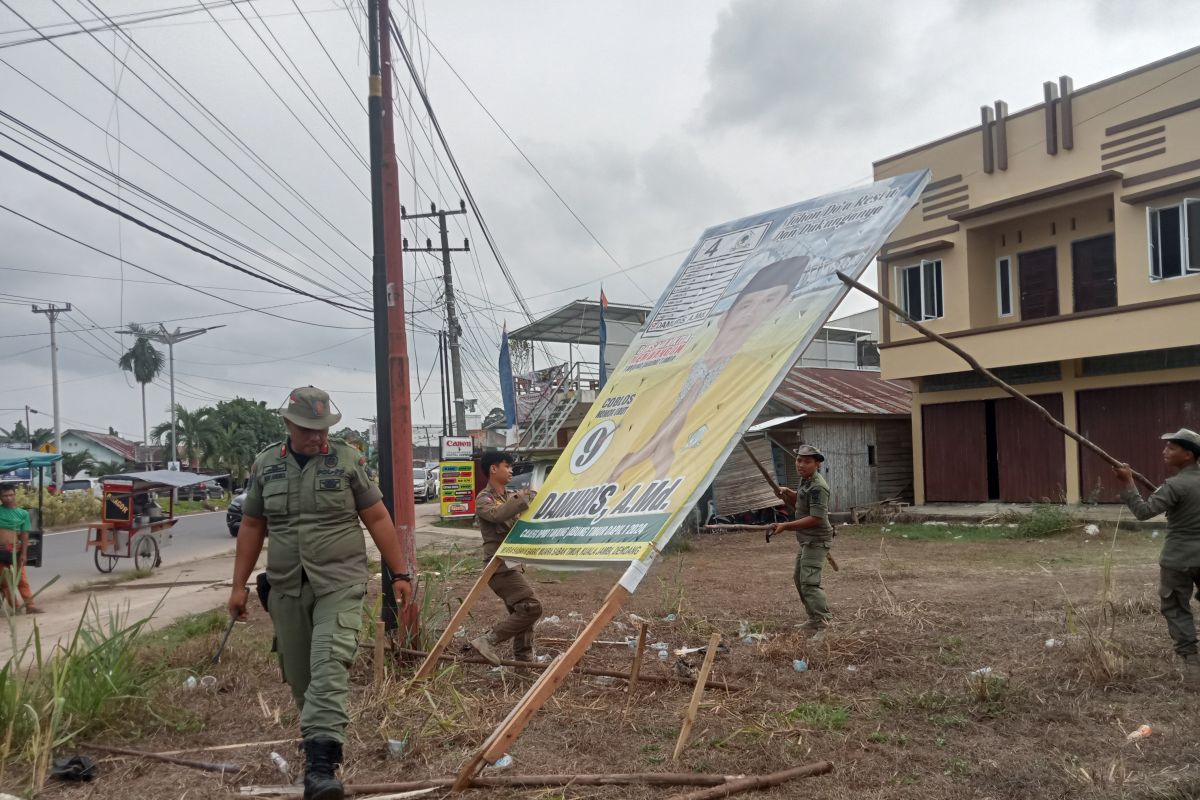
[
  {"x": 497, "y": 509},
  {"x": 815, "y": 535},
  {"x": 1179, "y": 562}
]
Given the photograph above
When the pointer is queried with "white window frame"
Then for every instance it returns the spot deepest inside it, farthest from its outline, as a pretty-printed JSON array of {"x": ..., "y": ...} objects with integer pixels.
[
  {"x": 1000, "y": 312},
  {"x": 902, "y": 289},
  {"x": 1186, "y": 268}
]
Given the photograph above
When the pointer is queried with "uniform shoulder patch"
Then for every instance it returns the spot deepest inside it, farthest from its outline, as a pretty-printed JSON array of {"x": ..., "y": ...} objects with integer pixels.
[{"x": 362, "y": 462}]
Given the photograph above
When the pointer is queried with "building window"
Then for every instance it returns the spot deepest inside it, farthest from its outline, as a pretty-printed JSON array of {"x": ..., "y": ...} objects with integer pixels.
[
  {"x": 871, "y": 462},
  {"x": 921, "y": 290},
  {"x": 1004, "y": 286},
  {"x": 1173, "y": 252}
]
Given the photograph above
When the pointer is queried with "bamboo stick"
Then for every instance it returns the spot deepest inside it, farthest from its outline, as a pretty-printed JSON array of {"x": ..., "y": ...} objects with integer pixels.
[
  {"x": 752, "y": 782},
  {"x": 600, "y": 673},
  {"x": 218, "y": 747},
  {"x": 975, "y": 365},
  {"x": 380, "y": 639},
  {"x": 517, "y": 781},
  {"x": 689, "y": 719},
  {"x": 456, "y": 621},
  {"x": 182, "y": 762}
]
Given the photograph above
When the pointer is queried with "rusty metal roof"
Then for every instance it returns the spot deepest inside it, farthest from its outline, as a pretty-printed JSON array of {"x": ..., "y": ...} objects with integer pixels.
[{"x": 818, "y": 390}]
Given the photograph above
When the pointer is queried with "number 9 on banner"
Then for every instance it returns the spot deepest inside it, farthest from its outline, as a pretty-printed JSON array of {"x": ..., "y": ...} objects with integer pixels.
[{"x": 592, "y": 446}]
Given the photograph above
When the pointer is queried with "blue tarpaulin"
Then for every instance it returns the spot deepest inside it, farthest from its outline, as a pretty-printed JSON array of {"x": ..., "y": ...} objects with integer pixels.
[{"x": 12, "y": 459}]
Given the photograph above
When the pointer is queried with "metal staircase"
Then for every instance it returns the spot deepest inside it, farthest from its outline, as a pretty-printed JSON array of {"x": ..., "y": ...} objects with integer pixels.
[{"x": 555, "y": 407}]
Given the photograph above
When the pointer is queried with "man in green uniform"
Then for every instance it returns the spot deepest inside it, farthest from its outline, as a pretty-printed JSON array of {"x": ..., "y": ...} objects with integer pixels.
[
  {"x": 815, "y": 535},
  {"x": 497, "y": 509},
  {"x": 311, "y": 493},
  {"x": 1179, "y": 561}
]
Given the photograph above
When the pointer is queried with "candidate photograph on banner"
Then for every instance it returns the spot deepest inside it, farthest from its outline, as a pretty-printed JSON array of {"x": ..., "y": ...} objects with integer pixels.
[{"x": 736, "y": 316}]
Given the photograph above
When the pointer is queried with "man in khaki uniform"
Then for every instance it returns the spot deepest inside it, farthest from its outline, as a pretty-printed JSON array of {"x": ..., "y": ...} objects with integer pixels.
[
  {"x": 312, "y": 493},
  {"x": 1179, "y": 562},
  {"x": 815, "y": 535},
  {"x": 497, "y": 510}
]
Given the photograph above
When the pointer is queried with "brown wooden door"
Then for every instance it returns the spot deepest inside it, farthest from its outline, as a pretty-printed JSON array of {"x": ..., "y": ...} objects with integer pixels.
[
  {"x": 1094, "y": 273},
  {"x": 1032, "y": 459},
  {"x": 954, "y": 439},
  {"x": 1038, "y": 271},
  {"x": 1127, "y": 422}
]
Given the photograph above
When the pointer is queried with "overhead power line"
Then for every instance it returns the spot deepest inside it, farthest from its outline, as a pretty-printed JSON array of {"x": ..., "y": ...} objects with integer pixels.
[{"x": 113, "y": 209}]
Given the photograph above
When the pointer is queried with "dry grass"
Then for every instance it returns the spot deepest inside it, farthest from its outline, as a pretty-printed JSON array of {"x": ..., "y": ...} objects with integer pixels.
[{"x": 889, "y": 695}]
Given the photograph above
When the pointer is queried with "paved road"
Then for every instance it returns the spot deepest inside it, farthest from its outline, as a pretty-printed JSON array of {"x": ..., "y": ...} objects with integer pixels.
[{"x": 194, "y": 537}]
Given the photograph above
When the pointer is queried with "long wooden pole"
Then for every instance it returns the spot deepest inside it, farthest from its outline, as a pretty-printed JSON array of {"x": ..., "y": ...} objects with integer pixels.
[
  {"x": 635, "y": 671},
  {"x": 975, "y": 365},
  {"x": 689, "y": 719},
  {"x": 207, "y": 766},
  {"x": 753, "y": 782},
  {"x": 456, "y": 621},
  {"x": 600, "y": 673},
  {"x": 542, "y": 689}
]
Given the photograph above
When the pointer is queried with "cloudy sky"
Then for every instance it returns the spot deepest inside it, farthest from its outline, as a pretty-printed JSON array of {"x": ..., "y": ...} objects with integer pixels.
[{"x": 241, "y": 130}]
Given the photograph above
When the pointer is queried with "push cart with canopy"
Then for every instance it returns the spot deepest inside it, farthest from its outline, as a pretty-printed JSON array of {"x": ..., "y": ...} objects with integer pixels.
[
  {"x": 132, "y": 523},
  {"x": 14, "y": 460}
]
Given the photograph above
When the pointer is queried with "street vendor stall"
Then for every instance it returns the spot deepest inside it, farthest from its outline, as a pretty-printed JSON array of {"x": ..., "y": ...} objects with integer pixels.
[
  {"x": 133, "y": 524},
  {"x": 12, "y": 460}
]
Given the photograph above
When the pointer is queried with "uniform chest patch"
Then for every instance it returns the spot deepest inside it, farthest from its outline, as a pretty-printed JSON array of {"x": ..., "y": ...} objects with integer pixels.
[
  {"x": 329, "y": 484},
  {"x": 331, "y": 460}
]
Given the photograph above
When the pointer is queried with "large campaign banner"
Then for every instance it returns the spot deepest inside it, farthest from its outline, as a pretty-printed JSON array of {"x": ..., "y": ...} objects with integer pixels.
[{"x": 737, "y": 315}]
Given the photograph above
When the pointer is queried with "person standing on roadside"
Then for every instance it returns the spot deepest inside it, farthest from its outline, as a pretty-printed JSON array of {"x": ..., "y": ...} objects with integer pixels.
[
  {"x": 815, "y": 535},
  {"x": 1179, "y": 561},
  {"x": 14, "y": 549},
  {"x": 312, "y": 493},
  {"x": 497, "y": 509}
]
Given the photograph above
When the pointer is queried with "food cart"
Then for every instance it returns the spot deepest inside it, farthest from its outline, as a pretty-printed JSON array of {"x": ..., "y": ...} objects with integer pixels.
[
  {"x": 21, "y": 464},
  {"x": 133, "y": 524}
]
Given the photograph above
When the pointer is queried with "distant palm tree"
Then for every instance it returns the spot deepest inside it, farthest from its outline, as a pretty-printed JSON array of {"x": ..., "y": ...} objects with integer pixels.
[
  {"x": 194, "y": 431},
  {"x": 230, "y": 449},
  {"x": 100, "y": 469},
  {"x": 74, "y": 463},
  {"x": 145, "y": 362}
]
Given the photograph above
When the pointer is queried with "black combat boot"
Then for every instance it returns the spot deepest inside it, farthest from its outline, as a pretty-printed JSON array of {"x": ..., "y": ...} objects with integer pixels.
[{"x": 322, "y": 757}]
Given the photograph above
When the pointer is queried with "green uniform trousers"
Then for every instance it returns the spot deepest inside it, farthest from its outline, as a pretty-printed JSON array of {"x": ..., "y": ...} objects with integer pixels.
[
  {"x": 524, "y": 609},
  {"x": 317, "y": 638},
  {"x": 1175, "y": 588},
  {"x": 810, "y": 562}
]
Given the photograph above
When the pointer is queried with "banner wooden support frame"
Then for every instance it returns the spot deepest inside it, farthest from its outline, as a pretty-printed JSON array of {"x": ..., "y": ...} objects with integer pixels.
[
  {"x": 456, "y": 621},
  {"x": 512, "y": 726},
  {"x": 975, "y": 365}
]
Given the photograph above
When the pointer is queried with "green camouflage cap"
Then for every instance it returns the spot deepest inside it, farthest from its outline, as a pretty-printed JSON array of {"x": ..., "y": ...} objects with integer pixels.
[
  {"x": 1188, "y": 438},
  {"x": 310, "y": 407},
  {"x": 810, "y": 451}
]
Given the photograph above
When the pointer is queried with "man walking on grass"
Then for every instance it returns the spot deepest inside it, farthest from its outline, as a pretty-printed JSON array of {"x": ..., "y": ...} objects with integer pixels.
[
  {"x": 497, "y": 509},
  {"x": 1179, "y": 561}
]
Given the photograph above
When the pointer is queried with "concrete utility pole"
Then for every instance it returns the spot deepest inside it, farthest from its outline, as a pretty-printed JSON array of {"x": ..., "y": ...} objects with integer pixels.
[
  {"x": 29, "y": 430},
  {"x": 460, "y": 411},
  {"x": 169, "y": 338},
  {"x": 52, "y": 313}
]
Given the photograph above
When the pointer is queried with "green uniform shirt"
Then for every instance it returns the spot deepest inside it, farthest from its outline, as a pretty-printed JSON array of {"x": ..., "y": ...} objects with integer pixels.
[
  {"x": 497, "y": 515},
  {"x": 1179, "y": 496},
  {"x": 312, "y": 516},
  {"x": 812, "y": 500}
]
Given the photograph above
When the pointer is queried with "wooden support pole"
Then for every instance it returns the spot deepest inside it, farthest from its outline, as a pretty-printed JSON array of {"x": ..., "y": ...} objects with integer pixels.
[
  {"x": 975, "y": 365},
  {"x": 456, "y": 621},
  {"x": 639, "y": 650},
  {"x": 380, "y": 640},
  {"x": 540, "y": 692},
  {"x": 743, "y": 528},
  {"x": 182, "y": 762},
  {"x": 689, "y": 719},
  {"x": 754, "y": 460},
  {"x": 600, "y": 673},
  {"x": 750, "y": 783},
  {"x": 516, "y": 781}
]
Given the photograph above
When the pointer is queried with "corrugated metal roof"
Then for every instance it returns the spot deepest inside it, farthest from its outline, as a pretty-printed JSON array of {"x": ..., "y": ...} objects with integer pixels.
[
  {"x": 122, "y": 447},
  {"x": 817, "y": 390}
]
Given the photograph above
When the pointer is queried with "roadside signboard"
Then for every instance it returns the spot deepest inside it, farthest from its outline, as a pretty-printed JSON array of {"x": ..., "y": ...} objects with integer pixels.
[
  {"x": 745, "y": 303},
  {"x": 457, "y": 448},
  {"x": 456, "y": 488}
]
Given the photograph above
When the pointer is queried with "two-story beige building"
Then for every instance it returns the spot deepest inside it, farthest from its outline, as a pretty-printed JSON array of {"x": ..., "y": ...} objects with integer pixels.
[{"x": 1059, "y": 245}]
